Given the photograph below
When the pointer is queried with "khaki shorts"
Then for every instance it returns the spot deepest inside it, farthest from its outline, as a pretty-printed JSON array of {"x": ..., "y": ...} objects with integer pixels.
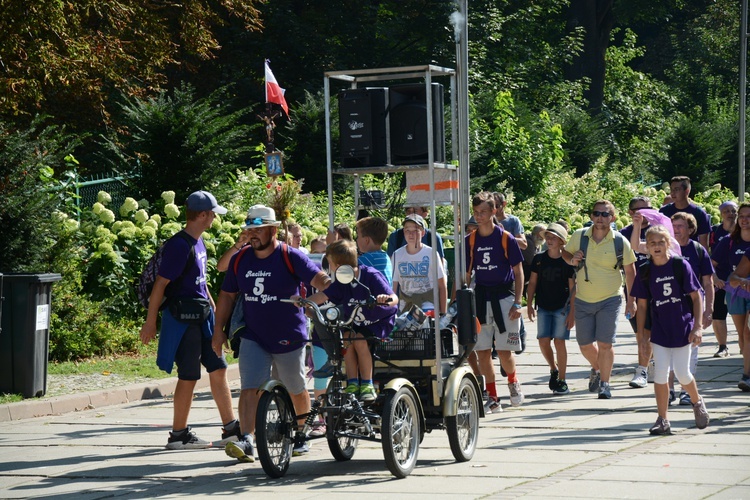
[{"x": 510, "y": 340}]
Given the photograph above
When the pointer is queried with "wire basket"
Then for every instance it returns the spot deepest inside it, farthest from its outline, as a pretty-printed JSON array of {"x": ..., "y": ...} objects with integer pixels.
[{"x": 417, "y": 344}]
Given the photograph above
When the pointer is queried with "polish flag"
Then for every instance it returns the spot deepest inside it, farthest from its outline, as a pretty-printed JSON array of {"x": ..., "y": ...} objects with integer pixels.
[{"x": 274, "y": 93}]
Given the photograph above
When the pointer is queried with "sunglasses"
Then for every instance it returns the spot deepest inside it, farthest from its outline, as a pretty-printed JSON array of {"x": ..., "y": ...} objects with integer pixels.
[
  {"x": 597, "y": 213},
  {"x": 255, "y": 222}
]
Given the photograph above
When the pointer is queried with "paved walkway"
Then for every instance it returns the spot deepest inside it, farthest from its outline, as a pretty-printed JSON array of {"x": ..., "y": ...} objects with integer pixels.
[{"x": 572, "y": 446}]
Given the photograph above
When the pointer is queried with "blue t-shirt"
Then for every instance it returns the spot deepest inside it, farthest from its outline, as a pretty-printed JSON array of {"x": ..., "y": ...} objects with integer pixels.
[
  {"x": 377, "y": 319},
  {"x": 276, "y": 326},
  {"x": 380, "y": 261},
  {"x": 671, "y": 305},
  {"x": 513, "y": 225}
]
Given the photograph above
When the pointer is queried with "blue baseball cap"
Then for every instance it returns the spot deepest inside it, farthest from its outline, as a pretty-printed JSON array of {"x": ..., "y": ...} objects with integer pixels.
[{"x": 202, "y": 201}]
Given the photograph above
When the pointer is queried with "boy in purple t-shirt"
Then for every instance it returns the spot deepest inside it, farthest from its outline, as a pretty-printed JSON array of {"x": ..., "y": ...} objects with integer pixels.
[
  {"x": 674, "y": 307},
  {"x": 369, "y": 322},
  {"x": 189, "y": 345}
]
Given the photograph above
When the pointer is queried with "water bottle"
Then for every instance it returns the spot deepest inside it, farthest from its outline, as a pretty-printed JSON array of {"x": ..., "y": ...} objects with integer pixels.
[{"x": 400, "y": 323}]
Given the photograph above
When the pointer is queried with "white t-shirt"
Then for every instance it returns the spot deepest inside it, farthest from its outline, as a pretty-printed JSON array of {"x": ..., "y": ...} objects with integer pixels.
[{"x": 414, "y": 273}]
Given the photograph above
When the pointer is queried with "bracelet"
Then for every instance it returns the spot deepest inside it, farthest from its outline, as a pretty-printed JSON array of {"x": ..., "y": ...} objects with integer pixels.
[{"x": 235, "y": 247}]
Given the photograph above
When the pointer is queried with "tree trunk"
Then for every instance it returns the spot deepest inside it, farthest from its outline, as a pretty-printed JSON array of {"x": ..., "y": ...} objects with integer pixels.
[{"x": 596, "y": 18}]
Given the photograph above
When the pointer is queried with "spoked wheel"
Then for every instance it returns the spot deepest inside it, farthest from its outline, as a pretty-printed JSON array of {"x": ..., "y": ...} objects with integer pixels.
[
  {"x": 274, "y": 432},
  {"x": 400, "y": 432},
  {"x": 342, "y": 447},
  {"x": 463, "y": 429}
]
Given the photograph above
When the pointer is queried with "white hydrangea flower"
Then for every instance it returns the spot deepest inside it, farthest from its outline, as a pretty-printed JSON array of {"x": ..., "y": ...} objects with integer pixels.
[
  {"x": 116, "y": 226},
  {"x": 141, "y": 216},
  {"x": 128, "y": 206},
  {"x": 97, "y": 208},
  {"x": 71, "y": 225},
  {"x": 107, "y": 216},
  {"x": 151, "y": 223},
  {"x": 128, "y": 233},
  {"x": 148, "y": 231},
  {"x": 143, "y": 203},
  {"x": 168, "y": 196},
  {"x": 171, "y": 210},
  {"x": 156, "y": 218},
  {"x": 105, "y": 248},
  {"x": 210, "y": 248},
  {"x": 103, "y": 197},
  {"x": 102, "y": 232}
]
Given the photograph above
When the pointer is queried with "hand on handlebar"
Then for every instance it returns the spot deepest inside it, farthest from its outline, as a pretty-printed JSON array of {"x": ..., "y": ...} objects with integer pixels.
[{"x": 386, "y": 299}]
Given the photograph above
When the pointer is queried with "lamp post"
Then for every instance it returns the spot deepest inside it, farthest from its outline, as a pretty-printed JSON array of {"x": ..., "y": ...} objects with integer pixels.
[{"x": 743, "y": 102}]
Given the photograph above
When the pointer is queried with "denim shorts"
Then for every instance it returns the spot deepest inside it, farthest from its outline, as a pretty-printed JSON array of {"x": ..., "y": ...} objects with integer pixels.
[
  {"x": 551, "y": 324},
  {"x": 736, "y": 304},
  {"x": 255, "y": 367}
]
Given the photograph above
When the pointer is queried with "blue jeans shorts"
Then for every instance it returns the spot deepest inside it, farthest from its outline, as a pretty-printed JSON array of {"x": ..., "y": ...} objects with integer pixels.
[{"x": 551, "y": 324}]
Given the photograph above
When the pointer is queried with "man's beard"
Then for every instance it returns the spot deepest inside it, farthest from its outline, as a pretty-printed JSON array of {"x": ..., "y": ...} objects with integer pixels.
[{"x": 262, "y": 246}]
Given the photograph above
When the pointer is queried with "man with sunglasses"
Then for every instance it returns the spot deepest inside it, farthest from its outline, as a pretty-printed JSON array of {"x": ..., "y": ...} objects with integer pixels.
[
  {"x": 276, "y": 332},
  {"x": 599, "y": 298},
  {"x": 679, "y": 191}
]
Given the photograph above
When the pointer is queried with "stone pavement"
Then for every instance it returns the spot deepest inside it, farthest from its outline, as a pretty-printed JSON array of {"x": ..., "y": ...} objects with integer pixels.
[{"x": 572, "y": 446}]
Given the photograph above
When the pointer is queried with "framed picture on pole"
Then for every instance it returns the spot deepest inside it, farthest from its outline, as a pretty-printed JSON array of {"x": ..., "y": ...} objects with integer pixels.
[{"x": 274, "y": 164}]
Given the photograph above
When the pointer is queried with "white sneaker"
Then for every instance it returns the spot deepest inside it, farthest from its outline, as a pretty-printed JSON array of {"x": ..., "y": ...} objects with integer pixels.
[
  {"x": 640, "y": 379},
  {"x": 516, "y": 396},
  {"x": 492, "y": 406}
]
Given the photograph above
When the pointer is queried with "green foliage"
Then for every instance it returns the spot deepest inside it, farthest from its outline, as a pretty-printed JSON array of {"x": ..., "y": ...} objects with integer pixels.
[
  {"x": 30, "y": 194},
  {"x": 180, "y": 142}
]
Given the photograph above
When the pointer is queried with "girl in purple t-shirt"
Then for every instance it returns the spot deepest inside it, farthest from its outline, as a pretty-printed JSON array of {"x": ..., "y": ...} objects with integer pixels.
[{"x": 674, "y": 305}]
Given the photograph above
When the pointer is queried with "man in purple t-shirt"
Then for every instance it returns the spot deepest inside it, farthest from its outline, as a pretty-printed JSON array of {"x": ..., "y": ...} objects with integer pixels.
[
  {"x": 275, "y": 332},
  {"x": 496, "y": 260},
  {"x": 189, "y": 345},
  {"x": 679, "y": 190}
]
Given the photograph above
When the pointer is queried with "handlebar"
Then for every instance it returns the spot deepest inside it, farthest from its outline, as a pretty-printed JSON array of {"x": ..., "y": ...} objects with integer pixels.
[{"x": 316, "y": 309}]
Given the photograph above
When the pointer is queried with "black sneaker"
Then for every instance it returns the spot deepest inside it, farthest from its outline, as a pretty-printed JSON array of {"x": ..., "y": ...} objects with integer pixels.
[
  {"x": 242, "y": 450},
  {"x": 228, "y": 436},
  {"x": 186, "y": 440},
  {"x": 562, "y": 387},
  {"x": 553, "y": 374},
  {"x": 660, "y": 428}
]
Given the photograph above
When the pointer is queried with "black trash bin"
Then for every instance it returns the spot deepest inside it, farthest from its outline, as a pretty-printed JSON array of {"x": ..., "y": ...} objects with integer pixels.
[{"x": 24, "y": 333}]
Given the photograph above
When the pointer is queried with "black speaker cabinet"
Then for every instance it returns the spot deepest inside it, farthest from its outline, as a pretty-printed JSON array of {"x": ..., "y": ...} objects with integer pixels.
[
  {"x": 363, "y": 127},
  {"x": 408, "y": 122}
]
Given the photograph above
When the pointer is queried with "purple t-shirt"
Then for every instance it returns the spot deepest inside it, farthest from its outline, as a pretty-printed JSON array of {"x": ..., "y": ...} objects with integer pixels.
[
  {"x": 717, "y": 233},
  {"x": 701, "y": 217},
  {"x": 671, "y": 305},
  {"x": 727, "y": 254},
  {"x": 174, "y": 259},
  {"x": 377, "y": 319},
  {"x": 276, "y": 326},
  {"x": 491, "y": 267},
  {"x": 701, "y": 265}
]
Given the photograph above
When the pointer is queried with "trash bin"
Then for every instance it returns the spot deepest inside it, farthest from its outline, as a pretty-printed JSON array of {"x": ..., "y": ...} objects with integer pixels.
[{"x": 24, "y": 332}]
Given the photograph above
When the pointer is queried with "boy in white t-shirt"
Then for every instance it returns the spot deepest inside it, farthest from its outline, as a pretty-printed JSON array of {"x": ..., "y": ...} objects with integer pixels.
[{"x": 413, "y": 275}]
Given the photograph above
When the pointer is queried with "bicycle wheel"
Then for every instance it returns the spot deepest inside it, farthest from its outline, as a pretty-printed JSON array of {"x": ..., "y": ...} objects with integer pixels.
[
  {"x": 274, "y": 432},
  {"x": 463, "y": 429},
  {"x": 400, "y": 432}
]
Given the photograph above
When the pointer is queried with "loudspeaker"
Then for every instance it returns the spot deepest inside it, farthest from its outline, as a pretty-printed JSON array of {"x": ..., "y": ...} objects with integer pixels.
[
  {"x": 363, "y": 127},
  {"x": 408, "y": 123}
]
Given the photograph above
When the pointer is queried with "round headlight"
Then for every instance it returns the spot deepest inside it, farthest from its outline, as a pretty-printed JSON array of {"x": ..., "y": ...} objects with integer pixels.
[{"x": 332, "y": 313}]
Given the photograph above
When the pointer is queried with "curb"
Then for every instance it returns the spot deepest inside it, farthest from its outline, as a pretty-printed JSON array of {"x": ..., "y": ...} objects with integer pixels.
[{"x": 98, "y": 399}]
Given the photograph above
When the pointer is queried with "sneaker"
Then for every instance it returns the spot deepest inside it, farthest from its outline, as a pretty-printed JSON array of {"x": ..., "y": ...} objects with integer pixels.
[
  {"x": 701, "y": 415},
  {"x": 324, "y": 371},
  {"x": 492, "y": 406},
  {"x": 561, "y": 388},
  {"x": 594, "y": 380},
  {"x": 522, "y": 335},
  {"x": 367, "y": 393},
  {"x": 352, "y": 389},
  {"x": 229, "y": 436},
  {"x": 318, "y": 429},
  {"x": 300, "y": 446},
  {"x": 243, "y": 450},
  {"x": 660, "y": 428},
  {"x": 685, "y": 399},
  {"x": 650, "y": 372},
  {"x": 494, "y": 353},
  {"x": 744, "y": 383},
  {"x": 672, "y": 396},
  {"x": 516, "y": 396},
  {"x": 186, "y": 440},
  {"x": 604, "y": 391},
  {"x": 640, "y": 379},
  {"x": 723, "y": 352},
  {"x": 553, "y": 374}
]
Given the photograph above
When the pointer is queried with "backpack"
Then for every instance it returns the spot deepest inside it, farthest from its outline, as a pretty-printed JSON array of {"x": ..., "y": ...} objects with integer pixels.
[
  {"x": 151, "y": 270},
  {"x": 472, "y": 240},
  {"x": 619, "y": 248}
]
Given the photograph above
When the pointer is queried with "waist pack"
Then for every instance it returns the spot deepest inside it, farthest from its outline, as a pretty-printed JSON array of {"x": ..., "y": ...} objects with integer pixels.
[{"x": 190, "y": 310}]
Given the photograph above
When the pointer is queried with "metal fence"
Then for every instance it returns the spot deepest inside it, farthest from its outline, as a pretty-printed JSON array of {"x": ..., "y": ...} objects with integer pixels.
[{"x": 87, "y": 189}]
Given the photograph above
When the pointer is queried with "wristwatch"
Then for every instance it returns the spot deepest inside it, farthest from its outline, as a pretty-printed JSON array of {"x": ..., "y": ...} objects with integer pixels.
[{"x": 517, "y": 305}]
